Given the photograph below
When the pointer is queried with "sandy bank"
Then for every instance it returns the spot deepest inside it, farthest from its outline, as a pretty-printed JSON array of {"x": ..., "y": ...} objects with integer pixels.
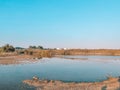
[
  {"x": 16, "y": 59},
  {"x": 109, "y": 84}
]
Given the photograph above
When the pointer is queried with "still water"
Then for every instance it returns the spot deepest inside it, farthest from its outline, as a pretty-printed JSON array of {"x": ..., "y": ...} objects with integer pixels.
[{"x": 65, "y": 68}]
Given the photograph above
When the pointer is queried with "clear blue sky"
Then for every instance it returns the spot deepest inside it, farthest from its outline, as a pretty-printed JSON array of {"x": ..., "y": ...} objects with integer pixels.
[{"x": 60, "y": 23}]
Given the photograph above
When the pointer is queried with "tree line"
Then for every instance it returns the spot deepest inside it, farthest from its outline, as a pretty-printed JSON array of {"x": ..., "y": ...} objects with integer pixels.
[{"x": 10, "y": 48}]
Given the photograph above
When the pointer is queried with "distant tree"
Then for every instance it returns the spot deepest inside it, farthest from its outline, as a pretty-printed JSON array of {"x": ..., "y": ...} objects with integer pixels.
[
  {"x": 19, "y": 48},
  {"x": 32, "y": 47},
  {"x": 35, "y": 47},
  {"x": 8, "y": 48},
  {"x": 40, "y": 47}
]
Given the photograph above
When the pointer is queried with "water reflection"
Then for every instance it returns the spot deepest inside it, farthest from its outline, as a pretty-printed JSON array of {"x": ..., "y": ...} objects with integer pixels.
[
  {"x": 15, "y": 62},
  {"x": 102, "y": 59}
]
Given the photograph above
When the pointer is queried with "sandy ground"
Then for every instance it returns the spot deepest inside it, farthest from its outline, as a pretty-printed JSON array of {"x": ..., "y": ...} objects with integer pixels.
[
  {"x": 16, "y": 59},
  {"x": 109, "y": 84}
]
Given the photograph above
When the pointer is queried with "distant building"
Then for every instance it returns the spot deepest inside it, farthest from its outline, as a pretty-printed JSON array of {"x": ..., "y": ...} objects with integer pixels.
[
  {"x": 61, "y": 48},
  {"x": 58, "y": 48}
]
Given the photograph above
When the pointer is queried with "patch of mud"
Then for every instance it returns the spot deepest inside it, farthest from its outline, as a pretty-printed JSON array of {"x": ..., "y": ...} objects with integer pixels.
[{"x": 109, "y": 84}]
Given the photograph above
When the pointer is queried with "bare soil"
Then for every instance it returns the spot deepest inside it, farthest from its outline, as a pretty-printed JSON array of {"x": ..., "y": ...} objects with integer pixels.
[
  {"x": 109, "y": 84},
  {"x": 15, "y": 59}
]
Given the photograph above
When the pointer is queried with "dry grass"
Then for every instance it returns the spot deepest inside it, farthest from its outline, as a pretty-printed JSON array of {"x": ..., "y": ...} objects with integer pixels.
[{"x": 50, "y": 53}]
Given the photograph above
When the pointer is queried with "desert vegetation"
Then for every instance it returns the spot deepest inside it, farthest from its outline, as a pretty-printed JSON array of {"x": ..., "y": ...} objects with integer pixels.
[
  {"x": 7, "y": 48},
  {"x": 40, "y": 51}
]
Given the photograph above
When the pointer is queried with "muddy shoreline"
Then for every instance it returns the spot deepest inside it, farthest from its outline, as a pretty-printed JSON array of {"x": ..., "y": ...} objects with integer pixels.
[
  {"x": 109, "y": 84},
  {"x": 16, "y": 59}
]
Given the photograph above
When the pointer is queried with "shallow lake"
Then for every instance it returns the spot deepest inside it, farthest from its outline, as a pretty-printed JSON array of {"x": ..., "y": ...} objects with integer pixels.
[{"x": 65, "y": 68}]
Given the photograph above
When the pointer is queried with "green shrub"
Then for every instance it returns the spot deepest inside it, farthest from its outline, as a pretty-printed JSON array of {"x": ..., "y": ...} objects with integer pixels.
[{"x": 8, "y": 48}]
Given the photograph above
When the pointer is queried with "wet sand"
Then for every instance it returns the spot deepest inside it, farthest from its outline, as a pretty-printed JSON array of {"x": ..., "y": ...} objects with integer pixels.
[{"x": 109, "y": 84}]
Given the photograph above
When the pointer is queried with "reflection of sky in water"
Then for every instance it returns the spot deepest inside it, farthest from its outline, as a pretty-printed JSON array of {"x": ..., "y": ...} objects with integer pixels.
[{"x": 95, "y": 68}]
